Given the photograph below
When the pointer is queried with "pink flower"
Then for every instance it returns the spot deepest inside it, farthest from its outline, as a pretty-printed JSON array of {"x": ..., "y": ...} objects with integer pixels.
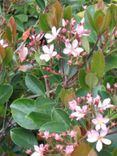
[
  {"x": 115, "y": 85},
  {"x": 81, "y": 31},
  {"x": 39, "y": 150},
  {"x": 73, "y": 49},
  {"x": 105, "y": 104},
  {"x": 23, "y": 52},
  {"x": 80, "y": 112},
  {"x": 53, "y": 36},
  {"x": 95, "y": 136},
  {"x": 46, "y": 135},
  {"x": 97, "y": 99},
  {"x": 73, "y": 105},
  {"x": 48, "y": 53},
  {"x": 108, "y": 86},
  {"x": 100, "y": 122},
  {"x": 58, "y": 137},
  {"x": 69, "y": 149},
  {"x": 72, "y": 134},
  {"x": 89, "y": 99},
  {"x": 59, "y": 147}
]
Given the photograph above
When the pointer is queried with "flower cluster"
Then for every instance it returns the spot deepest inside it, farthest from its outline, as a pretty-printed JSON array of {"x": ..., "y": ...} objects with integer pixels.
[
  {"x": 93, "y": 110},
  {"x": 65, "y": 35},
  {"x": 63, "y": 143}
]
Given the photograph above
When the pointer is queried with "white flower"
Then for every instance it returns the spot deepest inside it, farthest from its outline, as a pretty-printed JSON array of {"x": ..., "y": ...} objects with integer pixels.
[
  {"x": 73, "y": 49},
  {"x": 48, "y": 53},
  {"x": 53, "y": 36},
  {"x": 95, "y": 136},
  {"x": 105, "y": 104},
  {"x": 38, "y": 150},
  {"x": 3, "y": 44},
  {"x": 100, "y": 122},
  {"x": 80, "y": 112}
]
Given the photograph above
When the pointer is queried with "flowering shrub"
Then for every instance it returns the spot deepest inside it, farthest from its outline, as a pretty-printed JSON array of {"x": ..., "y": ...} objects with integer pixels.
[{"x": 58, "y": 82}]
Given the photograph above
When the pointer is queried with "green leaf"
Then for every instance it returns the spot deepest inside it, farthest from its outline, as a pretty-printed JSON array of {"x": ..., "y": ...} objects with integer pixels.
[
  {"x": 89, "y": 16},
  {"x": 34, "y": 85},
  {"x": 54, "y": 127},
  {"x": 82, "y": 92},
  {"x": 39, "y": 118},
  {"x": 68, "y": 12},
  {"x": 91, "y": 80},
  {"x": 20, "y": 110},
  {"x": 9, "y": 55},
  {"x": 22, "y": 17},
  {"x": 60, "y": 115},
  {"x": 43, "y": 24},
  {"x": 41, "y": 3},
  {"x": 81, "y": 76},
  {"x": 85, "y": 44},
  {"x": 111, "y": 62},
  {"x": 23, "y": 138},
  {"x": 98, "y": 20},
  {"x": 5, "y": 93},
  {"x": 98, "y": 64},
  {"x": 113, "y": 138},
  {"x": 44, "y": 105},
  {"x": 107, "y": 20}
]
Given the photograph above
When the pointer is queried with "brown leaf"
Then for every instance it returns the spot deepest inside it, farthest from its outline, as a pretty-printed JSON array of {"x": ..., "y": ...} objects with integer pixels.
[
  {"x": 2, "y": 54},
  {"x": 82, "y": 150},
  {"x": 26, "y": 34},
  {"x": 67, "y": 95},
  {"x": 13, "y": 27}
]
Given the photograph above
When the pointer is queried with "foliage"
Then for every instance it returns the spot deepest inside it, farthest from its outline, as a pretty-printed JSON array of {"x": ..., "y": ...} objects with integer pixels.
[{"x": 58, "y": 77}]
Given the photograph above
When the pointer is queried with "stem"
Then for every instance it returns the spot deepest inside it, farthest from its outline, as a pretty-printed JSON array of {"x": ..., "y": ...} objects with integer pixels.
[{"x": 98, "y": 38}]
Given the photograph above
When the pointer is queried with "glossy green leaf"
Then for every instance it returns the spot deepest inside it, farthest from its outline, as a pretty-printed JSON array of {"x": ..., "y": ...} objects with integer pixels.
[
  {"x": 34, "y": 85},
  {"x": 43, "y": 23},
  {"x": 98, "y": 64},
  {"x": 81, "y": 76},
  {"x": 111, "y": 62},
  {"x": 23, "y": 138},
  {"x": 106, "y": 21},
  {"x": 39, "y": 118},
  {"x": 89, "y": 15},
  {"x": 54, "y": 127},
  {"x": 44, "y": 105},
  {"x": 22, "y": 17},
  {"x": 20, "y": 110},
  {"x": 41, "y": 3},
  {"x": 5, "y": 93},
  {"x": 85, "y": 44},
  {"x": 68, "y": 12},
  {"x": 91, "y": 80},
  {"x": 60, "y": 115}
]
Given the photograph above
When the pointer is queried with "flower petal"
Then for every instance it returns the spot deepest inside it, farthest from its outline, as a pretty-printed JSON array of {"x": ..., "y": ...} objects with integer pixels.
[
  {"x": 66, "y": 51},
  {"x": 99, "y": 146},
  {"x": 75, "y": 44},
  {"x": 46, "y": 49},
  {"x": 48, "y": 36},
  {"x": 97, "y": 127},
  {"x": 35, "y": 154},
  {"x": 54, "y": 53},
  {"x": 54, "y": 31},
  {"x": 106, "y": 141},
  {"x": 45, "y": 57},
  {"x": 51, "y": 47}
]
